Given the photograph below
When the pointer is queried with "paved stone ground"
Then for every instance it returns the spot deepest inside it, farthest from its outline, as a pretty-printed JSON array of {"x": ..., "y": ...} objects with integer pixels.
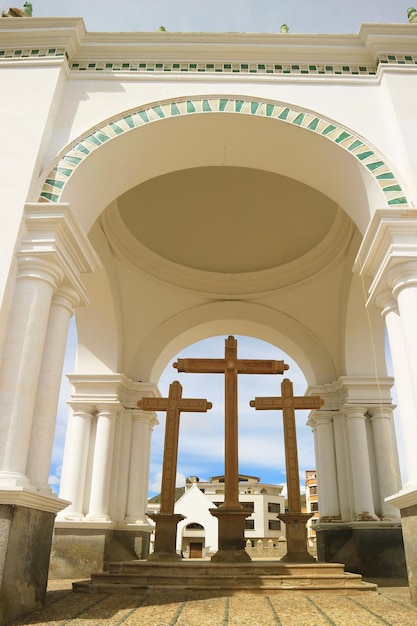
[{"x": 391, "y": 606}]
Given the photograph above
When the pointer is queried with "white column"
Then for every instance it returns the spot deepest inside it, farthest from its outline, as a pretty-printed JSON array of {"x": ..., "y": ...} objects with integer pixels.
[
  {"x": 403, "y": 280},
  {"x": 21, "y": 362},
  {"x": 121, "y": 461},
  {"x": 386, "y": 457},
  {"x": 44, "y": 417},
  {"x": 326, "y": 467},
  {"x": 404, "y": 387},
  {"x": 342, "y": 466},
  {"x": 137, "y": 496},
  {"x": 102, "y": 463},
  {"x": 74, "y": 465},
  {"x": 361, "y": 470}
]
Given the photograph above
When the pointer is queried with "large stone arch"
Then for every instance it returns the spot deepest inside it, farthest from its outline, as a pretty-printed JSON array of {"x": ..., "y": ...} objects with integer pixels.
[
  {"x": 89, "y": 175},
  {"x": 223, "y": 318}
]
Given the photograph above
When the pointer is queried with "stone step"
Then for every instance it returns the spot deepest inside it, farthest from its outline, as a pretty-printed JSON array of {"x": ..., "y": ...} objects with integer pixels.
[
  {"x": 207, "y": 568},
  {"x": 131, "y": 577}
]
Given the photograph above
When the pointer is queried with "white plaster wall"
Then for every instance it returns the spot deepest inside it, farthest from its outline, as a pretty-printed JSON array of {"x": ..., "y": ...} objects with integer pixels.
[
  {"x": 30, "y": 96},
  {"x": 194, "y": 505},
  {"x": 362, "y": 105}
]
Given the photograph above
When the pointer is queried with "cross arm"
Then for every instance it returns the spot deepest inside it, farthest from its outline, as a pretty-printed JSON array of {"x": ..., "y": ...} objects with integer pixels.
[
  {"x": 258, "y": 366},
  {"x": 297, "y": 402},
  {"x": 191, "y": 405},
  {"x": 201, "y": 366}
]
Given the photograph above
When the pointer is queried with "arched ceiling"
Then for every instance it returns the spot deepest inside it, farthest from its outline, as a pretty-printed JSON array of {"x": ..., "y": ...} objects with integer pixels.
[{"x": 227, "y": 219}]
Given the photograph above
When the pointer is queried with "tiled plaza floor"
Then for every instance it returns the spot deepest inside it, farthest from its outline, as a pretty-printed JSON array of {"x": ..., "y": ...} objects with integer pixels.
[{"x": 390, "y": 606}]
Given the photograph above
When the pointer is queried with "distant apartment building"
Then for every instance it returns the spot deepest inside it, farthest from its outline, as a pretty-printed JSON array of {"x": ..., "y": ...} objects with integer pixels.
[{"x": 312, "y": 505}]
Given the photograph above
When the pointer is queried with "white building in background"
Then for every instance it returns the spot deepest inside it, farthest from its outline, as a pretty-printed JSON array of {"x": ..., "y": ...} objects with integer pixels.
[{"x": 197, "y": 533}]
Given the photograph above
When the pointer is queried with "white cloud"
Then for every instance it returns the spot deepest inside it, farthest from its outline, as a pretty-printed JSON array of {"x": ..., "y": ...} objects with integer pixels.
[{"x": 156, "y": 480}]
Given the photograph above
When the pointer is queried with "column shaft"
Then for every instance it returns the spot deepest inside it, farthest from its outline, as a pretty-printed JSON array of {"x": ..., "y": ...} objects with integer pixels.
[
  {"x": 139, "y": 467},
  {"x": 361, "y": 470},
  {"x": 74, "y": 465},
  {"x": 44, "y": 417},
  {"x": 21, "y": 363},
  {"x": 404, "y": 388},
  {"x": 102, "y": 463},
  {"x": 326, "y": 467},
  {"x": 386, "y": 459},
  {"x": 343, "y": 482}
]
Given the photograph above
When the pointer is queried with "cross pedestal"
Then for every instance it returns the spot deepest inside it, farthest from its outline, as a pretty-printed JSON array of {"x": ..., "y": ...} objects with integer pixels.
[
  {"x": 165, "y": 537},
  {"x": 295, "y": 520},
  {"x": 166, "y": 521},
  {"x": 296, "y": 534},
  {"x": 230, "y": 514},
  {"x": 231, "y": 535}
]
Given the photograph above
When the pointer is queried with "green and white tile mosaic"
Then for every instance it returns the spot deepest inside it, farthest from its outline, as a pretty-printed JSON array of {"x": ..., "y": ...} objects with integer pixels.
[
  {"x": 32, "y": 53},
  {"x": 209, "y": 67},
  {"x": 90, "y": 142}
]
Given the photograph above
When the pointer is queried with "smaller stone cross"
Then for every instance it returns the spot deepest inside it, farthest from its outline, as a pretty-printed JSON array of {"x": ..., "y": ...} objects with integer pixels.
[
  {"x": 166, "y": 520},
  {"x": 295, "y": 520},
  {"x": 173, "y": 405}
]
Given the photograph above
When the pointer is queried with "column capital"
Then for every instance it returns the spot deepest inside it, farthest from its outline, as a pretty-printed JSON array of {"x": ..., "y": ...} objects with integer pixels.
[
  {"x": 146, "y": 417},
  {"x": 67, "y": 298},
  {"x": 381, "y": 411},
  {"x": 37, "y": 268},
  {"x": 354, "y": 411},
  {"x": 390, "y": 239},
  {"x": 402, "y": 275},
  {"x": 82, "y": 408},
  {"x": 109, "y": 409},
  {"x": 318, "y": 417},
  {"x": 52, "y": 233},
  {"x": 386, "y": 302}
]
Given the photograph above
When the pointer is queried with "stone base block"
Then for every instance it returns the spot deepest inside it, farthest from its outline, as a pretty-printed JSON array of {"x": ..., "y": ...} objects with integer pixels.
[
  {"x": 409, "y": 525},
  {"x": 373, "y": 551},
  {"x": 77, "y": 552},
  {"x": 25, "y": 545},
  {"x": 231, "y": 535}
]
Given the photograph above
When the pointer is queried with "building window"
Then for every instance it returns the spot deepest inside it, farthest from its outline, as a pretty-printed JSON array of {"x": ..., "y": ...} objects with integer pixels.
[
  {"x": 248, "y": 506},
  {"x": 194, "y": 526},
  {"x": 313, "y": 490},
  {"x": 314, "y": 506},
  {"x": 274, "y": 524},
  {"x": 249, "y": 524},
  {"x": 274, "y": 507}
]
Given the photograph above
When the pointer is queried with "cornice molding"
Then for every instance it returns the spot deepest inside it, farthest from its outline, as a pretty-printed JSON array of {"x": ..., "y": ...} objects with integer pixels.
[{"x": 68, "y": 37}]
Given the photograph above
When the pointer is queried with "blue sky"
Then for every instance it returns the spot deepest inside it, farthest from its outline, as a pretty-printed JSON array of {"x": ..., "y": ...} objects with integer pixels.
[
  {"x": 302, "y": 16},
  {"x": 201, "y": 436}
]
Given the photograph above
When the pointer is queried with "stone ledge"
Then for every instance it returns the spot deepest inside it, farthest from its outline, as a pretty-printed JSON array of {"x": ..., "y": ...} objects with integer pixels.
[{"x": 32, "y": 500}]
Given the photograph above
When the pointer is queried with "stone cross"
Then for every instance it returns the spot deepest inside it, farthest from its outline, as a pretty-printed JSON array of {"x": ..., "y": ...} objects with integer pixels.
[
  {"x": 230, "y": 366},
  {"x": 173, "y": 405},
  {"x": 288, "y": 403},
  {"x": 294, "y": 520}
]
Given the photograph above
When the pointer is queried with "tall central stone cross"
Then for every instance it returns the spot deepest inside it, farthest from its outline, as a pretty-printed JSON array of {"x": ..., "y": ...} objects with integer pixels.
[
  {"x": 166, "y": 521},
  {"x": 230, "y": 366},
  {"x": 295, "y": 520}
]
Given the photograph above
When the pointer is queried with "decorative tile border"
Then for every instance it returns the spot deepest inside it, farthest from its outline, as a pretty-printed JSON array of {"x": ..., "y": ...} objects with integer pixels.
[
  {"x": 207, "y": 67},
  {"x": 32, "y": 53},
  {"x": 88, "y": 143},
  {"x": 225, "y": 68}
]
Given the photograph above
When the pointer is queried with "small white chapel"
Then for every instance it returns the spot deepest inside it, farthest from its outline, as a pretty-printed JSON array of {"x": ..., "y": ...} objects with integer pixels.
[{"x": 167, "y": 187}]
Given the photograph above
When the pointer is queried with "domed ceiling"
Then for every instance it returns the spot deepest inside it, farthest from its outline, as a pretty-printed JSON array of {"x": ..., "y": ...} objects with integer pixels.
[{"x": 227, "y": 219}]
